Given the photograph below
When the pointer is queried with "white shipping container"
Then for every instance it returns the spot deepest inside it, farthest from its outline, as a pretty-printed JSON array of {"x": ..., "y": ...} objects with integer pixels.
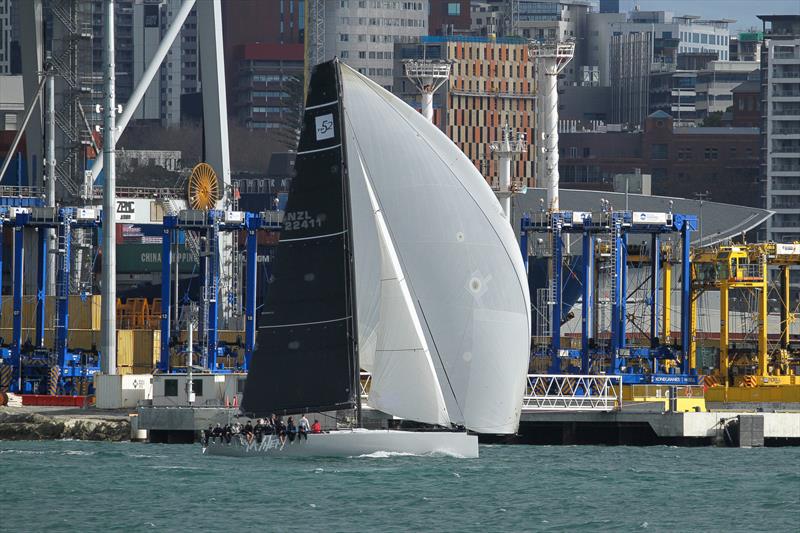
[{"x": 119, "y": 392}]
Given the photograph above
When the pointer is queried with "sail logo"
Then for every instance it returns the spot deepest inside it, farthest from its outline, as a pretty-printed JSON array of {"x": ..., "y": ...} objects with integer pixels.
[{"x": 324, "y": 126}]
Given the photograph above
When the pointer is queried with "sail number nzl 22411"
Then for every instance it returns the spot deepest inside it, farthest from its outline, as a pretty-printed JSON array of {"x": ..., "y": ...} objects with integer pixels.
[{"x": 295, "y": 220}]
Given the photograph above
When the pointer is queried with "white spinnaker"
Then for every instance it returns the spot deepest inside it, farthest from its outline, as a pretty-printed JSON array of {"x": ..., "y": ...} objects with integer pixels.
[
  {"x": 459, "y": 255},
  {"x": 404, "y": 381}
]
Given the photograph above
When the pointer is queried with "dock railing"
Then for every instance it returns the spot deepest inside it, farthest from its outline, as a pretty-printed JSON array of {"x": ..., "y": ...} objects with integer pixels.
[{"x": 566, "y": 392}]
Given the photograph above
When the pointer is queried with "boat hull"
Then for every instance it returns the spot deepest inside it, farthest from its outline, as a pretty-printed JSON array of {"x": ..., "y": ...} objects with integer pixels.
[{"x": 352, "y": 444}]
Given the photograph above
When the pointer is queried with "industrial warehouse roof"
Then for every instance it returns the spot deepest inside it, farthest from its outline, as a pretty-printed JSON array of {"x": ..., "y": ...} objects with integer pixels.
[{"x": 719, "y": 222}]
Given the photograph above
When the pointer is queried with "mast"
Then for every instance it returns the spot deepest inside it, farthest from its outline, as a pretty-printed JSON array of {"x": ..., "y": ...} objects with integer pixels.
[{"x": 350, "y": 267}]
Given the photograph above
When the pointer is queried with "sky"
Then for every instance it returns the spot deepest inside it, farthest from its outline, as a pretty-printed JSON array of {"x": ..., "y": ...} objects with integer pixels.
[{"x": 744, "y": 11}]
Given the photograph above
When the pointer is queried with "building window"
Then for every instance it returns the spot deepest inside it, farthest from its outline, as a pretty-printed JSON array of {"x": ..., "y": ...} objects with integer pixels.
[
  {"x": 453, "y": 9},
  {"x": 587, "y": 152},
  {"x": 170, "y": 387},
  {"x": 573, "y": 152},
  {"x": 344, "y": 37},
  {"x": 659, "y": 151},
  {"x": 711, "y": 153},
  {"x": 197, "y": 387}
]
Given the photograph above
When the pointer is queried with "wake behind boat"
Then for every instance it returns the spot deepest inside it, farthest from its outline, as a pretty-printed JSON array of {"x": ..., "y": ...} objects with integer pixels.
[{"x": 394, "y": 258}]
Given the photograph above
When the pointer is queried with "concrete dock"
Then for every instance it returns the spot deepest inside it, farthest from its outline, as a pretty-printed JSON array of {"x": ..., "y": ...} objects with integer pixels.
[{"x": 653, "y": 428}]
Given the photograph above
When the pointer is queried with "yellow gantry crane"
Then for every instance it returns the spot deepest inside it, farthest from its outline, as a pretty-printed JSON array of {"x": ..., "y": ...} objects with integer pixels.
[{"x": 747, "y": 266}]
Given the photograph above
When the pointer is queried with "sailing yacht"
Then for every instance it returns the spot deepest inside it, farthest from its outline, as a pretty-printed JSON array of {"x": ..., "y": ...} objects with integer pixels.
[{"x": 395, "y": 258}]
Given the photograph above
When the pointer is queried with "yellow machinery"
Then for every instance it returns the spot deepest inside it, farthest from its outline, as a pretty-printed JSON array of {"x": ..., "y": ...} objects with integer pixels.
[
  {"x": 203, "y": 187},
  {"x": 747, "y": 266}
]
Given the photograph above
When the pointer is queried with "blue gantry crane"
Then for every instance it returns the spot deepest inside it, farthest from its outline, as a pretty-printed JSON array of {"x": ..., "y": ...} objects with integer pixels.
[
  {"x": 209, "y": 224},
  {"x": 32, "y": 367},
  {"x": 617, "y": 355}
]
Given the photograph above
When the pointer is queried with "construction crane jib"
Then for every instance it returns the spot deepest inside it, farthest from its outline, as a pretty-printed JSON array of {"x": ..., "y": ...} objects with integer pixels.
[{"x": 550, "y": 58}]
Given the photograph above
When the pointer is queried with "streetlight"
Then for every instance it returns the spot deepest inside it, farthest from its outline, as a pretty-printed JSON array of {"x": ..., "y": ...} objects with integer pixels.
[{"x": 702, "y": 196}]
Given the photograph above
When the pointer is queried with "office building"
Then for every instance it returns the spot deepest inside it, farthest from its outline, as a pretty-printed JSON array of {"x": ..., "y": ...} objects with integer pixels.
[
  {"x": 266, "y": 82},
  {"x": 715, "y": 84},
  {"x": 681, "y": 160},
  {"x": 5, "y": 37},
  {"x": 256, "y": 22},
  {"x": 449, "y": 17},
  {"x": 491, "y": 83},
  {"x": 363, "y": 33},
  {"x": 687, "y": 34},
  {"x": 746, "y": 46}
]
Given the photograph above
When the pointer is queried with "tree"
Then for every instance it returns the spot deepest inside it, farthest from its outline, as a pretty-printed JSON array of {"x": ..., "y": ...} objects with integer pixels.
[{"x": 713, "y": 120}]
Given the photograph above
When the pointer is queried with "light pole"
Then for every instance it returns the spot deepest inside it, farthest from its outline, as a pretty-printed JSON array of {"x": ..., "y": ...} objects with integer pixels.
[{"x": 702, "y": 196}]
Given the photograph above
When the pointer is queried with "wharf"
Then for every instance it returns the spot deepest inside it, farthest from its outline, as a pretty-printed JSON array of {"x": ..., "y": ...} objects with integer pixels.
[
  {"x": 641, "y": 426},
  {"x": 636, "y": 425}
]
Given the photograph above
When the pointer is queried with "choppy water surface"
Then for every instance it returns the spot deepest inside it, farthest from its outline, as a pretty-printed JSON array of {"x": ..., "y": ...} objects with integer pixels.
[{"x": 87, "y": 486}]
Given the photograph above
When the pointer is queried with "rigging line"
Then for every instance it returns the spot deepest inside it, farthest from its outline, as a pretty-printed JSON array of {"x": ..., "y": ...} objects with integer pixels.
[
  {"x": 326, "y": 104},
  {"x": 448, "y": 165},
  {"x": 444, "y": 370},
  {"x": 325, "y": 236},
  {"x": 305, "y": 323},
  {"x": 304, "y": 152}
]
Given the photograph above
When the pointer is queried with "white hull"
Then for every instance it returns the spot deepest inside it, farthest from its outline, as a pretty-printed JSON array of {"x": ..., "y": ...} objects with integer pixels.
[{"x": 353, "y": 443}]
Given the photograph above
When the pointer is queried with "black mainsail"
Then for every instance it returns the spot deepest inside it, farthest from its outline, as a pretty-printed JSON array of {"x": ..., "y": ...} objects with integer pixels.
[{"x": 306, "y": 356}]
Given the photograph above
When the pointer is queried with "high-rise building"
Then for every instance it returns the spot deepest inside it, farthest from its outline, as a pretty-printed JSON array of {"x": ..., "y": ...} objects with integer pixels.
[
  {"x": 449, "y": 17},
  {"x": 541, "y": 20},
  {"x": 5, "y": 37},
  {"x": 123, "y": 48},
  {"x": 491, "y": 84},
  {"x": 688, "y": 33},
  {"x": 363, "y": 33},
  {"x": 489, "y": 17},
  {"x": 178, "y": 74},
  {"x": 139, "y": 28},
  {"x": 256, "y": 22},
  {"x": 780, "y": 132},
  {"x": 746, "y": 46},
  {"x": 267, "y": 80},
  {"x": 630, "y": 60}
]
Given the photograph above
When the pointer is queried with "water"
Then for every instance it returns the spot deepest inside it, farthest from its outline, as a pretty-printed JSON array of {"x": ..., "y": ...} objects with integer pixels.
[{"x": 91, "y": 486}]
